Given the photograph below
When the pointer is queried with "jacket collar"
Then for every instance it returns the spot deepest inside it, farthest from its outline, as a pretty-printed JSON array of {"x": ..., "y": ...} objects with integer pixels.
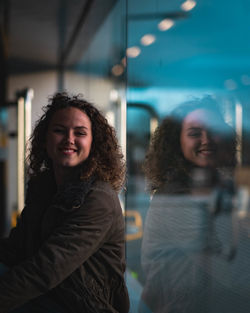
[{"x": 72, "y": 195}]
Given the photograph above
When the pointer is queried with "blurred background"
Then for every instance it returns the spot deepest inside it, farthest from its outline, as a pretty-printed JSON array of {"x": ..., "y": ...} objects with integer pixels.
[{"x": 136, "y": 60}]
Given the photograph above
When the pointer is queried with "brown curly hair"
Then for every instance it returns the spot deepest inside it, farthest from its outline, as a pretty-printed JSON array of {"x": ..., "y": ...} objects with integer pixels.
[
  {"x": 165, "y": 162},
  {"x": 105, "y": 160}
]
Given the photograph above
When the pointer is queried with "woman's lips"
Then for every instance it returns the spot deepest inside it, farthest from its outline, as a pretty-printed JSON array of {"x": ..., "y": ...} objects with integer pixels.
[
  {"x": 207, "y": 152},
  {"x": 68, "y": 151}
]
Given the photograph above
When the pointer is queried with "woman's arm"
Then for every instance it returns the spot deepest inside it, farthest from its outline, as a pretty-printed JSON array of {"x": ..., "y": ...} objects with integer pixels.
[
  {"x": 81, "y": 234},
  {"x": 11, "y": 246}
]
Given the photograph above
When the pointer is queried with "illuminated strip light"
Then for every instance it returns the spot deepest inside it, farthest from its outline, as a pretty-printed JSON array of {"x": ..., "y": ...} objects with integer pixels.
[
  {"x": 24, "y": 132},
  {"x": 20, "y": 154}
]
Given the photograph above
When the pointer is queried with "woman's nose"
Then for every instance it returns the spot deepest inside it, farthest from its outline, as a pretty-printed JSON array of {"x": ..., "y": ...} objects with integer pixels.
[
  {"x": 70, "y": 138},
  {"x": 206, "y": 137}
]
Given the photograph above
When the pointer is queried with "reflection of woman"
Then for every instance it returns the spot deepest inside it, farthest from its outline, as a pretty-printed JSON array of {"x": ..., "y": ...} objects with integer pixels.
[
  {"x": 177, "y": 243},
  {"x": 67, "y": 252},
  {"x": 166, "y": 162}
]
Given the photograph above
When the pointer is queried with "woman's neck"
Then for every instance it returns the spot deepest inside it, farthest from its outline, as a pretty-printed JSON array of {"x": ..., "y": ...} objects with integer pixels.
[{"x": 66, "y": 175}]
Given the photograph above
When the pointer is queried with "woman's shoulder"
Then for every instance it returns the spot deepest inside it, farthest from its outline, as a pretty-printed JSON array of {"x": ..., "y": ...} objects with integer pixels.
[
  {"x": 103, "y": 186},
  {"x": 173, "y": 188},
  {"x": 90, "y": 193},
  {"x": 104, "y": 191}
]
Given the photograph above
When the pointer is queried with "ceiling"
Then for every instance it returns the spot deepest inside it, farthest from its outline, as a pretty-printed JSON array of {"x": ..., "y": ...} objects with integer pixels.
[
  {"x": 41, "y": 34},
  {"x": 207, "y": 47}
]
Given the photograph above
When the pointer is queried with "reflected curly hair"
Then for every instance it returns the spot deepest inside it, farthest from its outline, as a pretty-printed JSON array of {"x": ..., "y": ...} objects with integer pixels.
[
  {"x": 105, "y": 160},
  {"x": 165, "y": 162}
]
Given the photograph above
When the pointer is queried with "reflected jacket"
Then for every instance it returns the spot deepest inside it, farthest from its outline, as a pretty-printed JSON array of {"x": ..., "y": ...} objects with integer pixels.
[
  {"x": 185, "y": 258},
  {"x": 68, "y": 245}
]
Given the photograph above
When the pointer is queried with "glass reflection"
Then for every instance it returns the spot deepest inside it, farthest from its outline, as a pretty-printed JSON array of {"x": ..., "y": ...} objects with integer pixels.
[{"x": 190, "y": 256}]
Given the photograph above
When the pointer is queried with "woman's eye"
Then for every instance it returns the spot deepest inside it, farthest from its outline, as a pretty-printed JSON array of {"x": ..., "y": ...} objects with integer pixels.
[
  {"x": 194, "y": 134},
  {"x": 80, "y": 134},
  {"x": 57, "y": 130}
]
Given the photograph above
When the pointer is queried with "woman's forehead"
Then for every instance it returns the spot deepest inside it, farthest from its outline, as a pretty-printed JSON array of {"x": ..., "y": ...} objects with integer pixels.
[{"x": 203, "y": 117}]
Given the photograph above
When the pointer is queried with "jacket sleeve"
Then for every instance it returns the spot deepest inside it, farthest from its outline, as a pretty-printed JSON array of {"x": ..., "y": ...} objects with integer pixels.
[
  {"x": 10, "y": 247},
  {"x": 81, "y": 234}
]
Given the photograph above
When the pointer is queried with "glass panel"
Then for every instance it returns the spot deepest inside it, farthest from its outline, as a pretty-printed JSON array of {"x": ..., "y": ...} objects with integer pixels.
[
  {"x": 188, "y": 200},
  {"x": 99, "y": 73}
]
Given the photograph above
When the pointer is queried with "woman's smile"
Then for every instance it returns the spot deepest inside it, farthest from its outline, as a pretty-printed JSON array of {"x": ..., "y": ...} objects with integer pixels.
[
  {"x": 68, "y": 151},
  {"x": 69, "y": 138},
  {"x": 207, "y": 151},
  {"x": 198, "y": 139}
]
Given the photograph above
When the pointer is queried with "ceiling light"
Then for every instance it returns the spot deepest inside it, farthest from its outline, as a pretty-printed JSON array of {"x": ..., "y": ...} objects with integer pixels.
[
  {"x": 188, "y": 5},
  {"x": 165, "y": 24},
  {"x": 133, "y": 52},
  {"x": 114, "y": 95},
  {"x": 230, "y": 84},
  {"x": 245, "y": 79},
  {"x": 117, "y": 70},
  {"x": 147, "y": 40},
  {"x": 124, "y": 61}
]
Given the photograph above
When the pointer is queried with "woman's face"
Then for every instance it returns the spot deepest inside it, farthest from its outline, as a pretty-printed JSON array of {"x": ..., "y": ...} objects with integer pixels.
[
  {"x": 69, "y": 138},
  {"x": 200, "y": 138}
]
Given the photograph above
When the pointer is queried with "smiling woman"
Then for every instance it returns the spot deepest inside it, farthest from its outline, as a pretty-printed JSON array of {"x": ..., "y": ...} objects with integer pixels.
[
  {"x": 191, "y": 152},
  {"x": 200, "y": 139},
  {"x": 66, "y": 254},
  {"x": 193, "y": 135},
  {"x": 69, "y": 140}
]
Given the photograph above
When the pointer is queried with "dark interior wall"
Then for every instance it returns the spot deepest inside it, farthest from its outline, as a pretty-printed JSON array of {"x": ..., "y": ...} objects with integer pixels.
[
  {"x": 2, "y": 197},
  {"x": 2, "y": 72}
]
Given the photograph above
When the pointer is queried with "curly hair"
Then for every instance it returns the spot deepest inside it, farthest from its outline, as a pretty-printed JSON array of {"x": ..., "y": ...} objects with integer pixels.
[
  {"x": 165, "y": 162},
  {"x": 105, "y": 160}
]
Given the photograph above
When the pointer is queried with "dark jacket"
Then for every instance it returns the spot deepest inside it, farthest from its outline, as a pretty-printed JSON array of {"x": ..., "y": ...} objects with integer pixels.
[
  {"x": 173, "y": 255},
  {"x": 68, "y": 245}
]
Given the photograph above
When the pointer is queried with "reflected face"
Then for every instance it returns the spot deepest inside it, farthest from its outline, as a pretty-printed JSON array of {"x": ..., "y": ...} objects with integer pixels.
[
  {"x": 199, "y": 141},
  {"x": 69, "y": 138}
]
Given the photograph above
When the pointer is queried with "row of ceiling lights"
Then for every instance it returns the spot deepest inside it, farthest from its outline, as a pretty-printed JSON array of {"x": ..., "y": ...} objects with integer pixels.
[
  {"x": 231, "y": 84},
  {"x": 149, "y": 39}
]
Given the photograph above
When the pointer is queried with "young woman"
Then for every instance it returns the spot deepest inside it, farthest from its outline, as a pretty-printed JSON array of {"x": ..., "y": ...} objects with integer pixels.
[
  {"x": 187, "y": 268},
  {"x": 193, "y": 136},
  {"x": 66, "y": 253}
]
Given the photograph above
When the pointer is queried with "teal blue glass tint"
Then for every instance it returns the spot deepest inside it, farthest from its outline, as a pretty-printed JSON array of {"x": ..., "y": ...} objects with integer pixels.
[
  {"x": 99, "y": 72},
  {"x": 188, "y": 191}
]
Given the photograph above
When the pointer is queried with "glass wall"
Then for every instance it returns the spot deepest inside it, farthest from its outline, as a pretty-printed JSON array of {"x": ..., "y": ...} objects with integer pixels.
[
  {"x": 188, "y": 72},
  {"x": 99, "y": 72},
  {"x": 173, "y": 77}
]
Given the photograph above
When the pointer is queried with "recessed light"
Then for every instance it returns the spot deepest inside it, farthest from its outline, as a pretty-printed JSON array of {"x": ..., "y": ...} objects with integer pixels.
[
  {"x": 148, "y": 39},
  {"x": 165, "y": 24},
  {"x": 188, "y": 5},
  {"x": 133, "y": 52}
]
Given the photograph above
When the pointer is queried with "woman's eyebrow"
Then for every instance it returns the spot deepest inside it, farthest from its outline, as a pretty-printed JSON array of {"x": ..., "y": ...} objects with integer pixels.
[
  {"x": 80, "y": 127},
  {"x": 194, "y": 128},
  {"x": 63, "y": 126}
]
